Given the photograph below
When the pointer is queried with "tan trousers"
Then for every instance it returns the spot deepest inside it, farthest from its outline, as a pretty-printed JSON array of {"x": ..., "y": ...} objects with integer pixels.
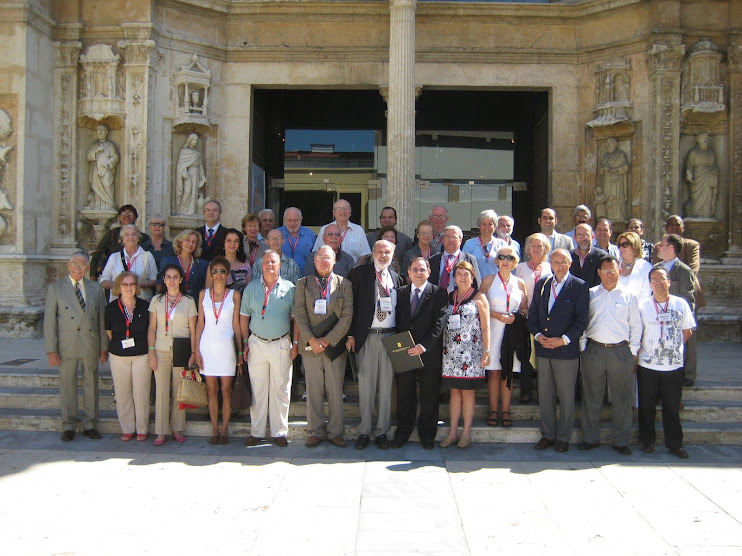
[
  {"x": 325, "y": 376},
  {"x": 68, "y": 392},
  {"x": 168, "y": 418},
  {"x": 132, "y": 379},
  {"x": 269, "y": 365}
]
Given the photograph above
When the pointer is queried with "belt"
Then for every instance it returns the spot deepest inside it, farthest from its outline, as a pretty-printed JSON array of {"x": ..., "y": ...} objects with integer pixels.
[
  {"x": 271, "y": 339},
  {"x": 380, "y": 330},
  {"x": 624, "y": 343}
]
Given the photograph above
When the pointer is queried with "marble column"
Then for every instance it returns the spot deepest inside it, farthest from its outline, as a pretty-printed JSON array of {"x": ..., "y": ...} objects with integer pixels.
[
  {"x": 64, "y": 203},
  {"x": 665, "y": 58},
  {"x": 734, "y": 252},
  {"x": 400, "y": 186}
]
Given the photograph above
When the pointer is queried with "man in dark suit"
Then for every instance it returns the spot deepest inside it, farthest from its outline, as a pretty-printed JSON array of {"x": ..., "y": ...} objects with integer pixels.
[
  {"x": 75, "y": 335},
  {"x": 374, "y": 318},
  {"x": 388, "y": 217},
  {"x": 212, "y": 233},
  {"x": 421, "y": 309},
  {"x": 557, "y": 317},
  {"x": 586, "y": 257},
  {"x": 441, "y": 264}
]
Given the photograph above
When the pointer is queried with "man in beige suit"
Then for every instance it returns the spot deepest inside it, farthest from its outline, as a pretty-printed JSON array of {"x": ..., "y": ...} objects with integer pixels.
[
  {"x": 323, "y": 311},
  {"x": 74, "y": 334}
]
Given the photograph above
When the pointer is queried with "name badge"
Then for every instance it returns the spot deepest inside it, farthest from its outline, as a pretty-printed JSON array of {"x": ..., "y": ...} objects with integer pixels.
[
  {"x": 127, "y": 343},
  {"x": 454, "y": 322},
  {"x": 385, "y": 304},
  {"x": 664, "y": 317},
  {"x": 320, "y": 307}
]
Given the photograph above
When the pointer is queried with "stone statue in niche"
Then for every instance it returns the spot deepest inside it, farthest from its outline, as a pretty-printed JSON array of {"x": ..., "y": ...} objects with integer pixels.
[
  {"x": 103, "y": 157},
  {"x": 702, "y": 175},
  {"x": 189, "y": 177},
  {"x": 613, "y": 189}
]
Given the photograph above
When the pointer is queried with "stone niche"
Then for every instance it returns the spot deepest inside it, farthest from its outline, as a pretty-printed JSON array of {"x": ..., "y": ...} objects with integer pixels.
[
  {"x": 612, "y": 103},
  {"x": 192, "y": 83},
  {"x": 100, "y": 93},
  {"x": 8, "y": 167},
  {"x": 702, "y": 88}
]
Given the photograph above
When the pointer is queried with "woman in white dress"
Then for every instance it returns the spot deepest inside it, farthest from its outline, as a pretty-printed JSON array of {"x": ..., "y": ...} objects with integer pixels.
[
  {"x": 506, "y": 294},
  {"x": 217, "y": 340},
  {"x": 537, "y": 247},
  {"x": 634, "y": 270}
]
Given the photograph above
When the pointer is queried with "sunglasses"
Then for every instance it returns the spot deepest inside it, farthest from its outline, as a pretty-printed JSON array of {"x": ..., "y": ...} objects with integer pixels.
[
  {"x": 505, "y": 258},
  {"x": 624, "y": 244},
  {"x": 157, "y": 224},
  {"x": 218, "y": 271},
  {"x": 129, "y": 284}
]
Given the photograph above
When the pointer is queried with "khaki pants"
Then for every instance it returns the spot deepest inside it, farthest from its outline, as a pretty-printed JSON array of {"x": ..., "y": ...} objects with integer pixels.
[
  {"x": 269, "y": 365},
  {"x": 166, "y": 406},
  {"x": 68, "y": 392},
  {"x": 325, "y": 376},
  {"x": 132, "y": 379}
]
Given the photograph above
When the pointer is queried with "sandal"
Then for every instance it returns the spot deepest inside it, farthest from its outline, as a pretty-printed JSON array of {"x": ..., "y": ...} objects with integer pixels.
[
  {"x": 214, "y": 439},
  {"x": 492, "y": 421},
  {"x": 507, "y": 422}
]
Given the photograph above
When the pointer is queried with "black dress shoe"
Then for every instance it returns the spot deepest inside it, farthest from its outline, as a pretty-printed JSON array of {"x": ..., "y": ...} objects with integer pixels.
[
  {"x": 92, "y": 434},
  {"x": 67, "y": 436},
  {"x": 543, "y": 444},
  {"x": 679, "y": 452},
  {"x": 428, "y": 444},
  {"x": 381, "y": 442},
  {"x": 362, "y": 441},
  {"x": 583, "y": 446},
  {"x": 562, "y": 446},
  {"x": 623, "y": 450},
  {"x": 687, "y": 382},
  {"x": 397, "y": 443},
  {"x": 648, "y": 448}
]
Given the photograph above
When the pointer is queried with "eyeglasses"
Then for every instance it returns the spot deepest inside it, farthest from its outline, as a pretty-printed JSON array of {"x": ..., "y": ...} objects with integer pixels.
[
  {"x": 624, "y": 244},
  {"x": 333, "y": 234},
  {"x": 341, "y": 209},
  {"x": 425, "y": 234},
  {"x": 606, "y": 271},
  {"x": 418, "y": 269},
  {"x": 658, "y": 280},
  {"x": 218, "y": 271},
  {"x": 561, "y": 263},
  {"x": 451, "y": 238},
  {"x": 505, "y": 258},
  {"x": 78, "y": 266},
  {"x": 157, "y": 224},
  {"x": 437, "y": 217},
  {"x": 126, "y": 213}
]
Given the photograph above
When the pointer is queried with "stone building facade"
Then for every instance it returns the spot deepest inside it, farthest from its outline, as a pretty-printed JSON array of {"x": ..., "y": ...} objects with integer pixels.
[{"x": 633, "y": 107}]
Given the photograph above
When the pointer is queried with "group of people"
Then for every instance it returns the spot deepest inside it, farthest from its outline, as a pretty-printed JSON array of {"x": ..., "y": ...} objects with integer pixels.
[{"x": 480, "y": 313}]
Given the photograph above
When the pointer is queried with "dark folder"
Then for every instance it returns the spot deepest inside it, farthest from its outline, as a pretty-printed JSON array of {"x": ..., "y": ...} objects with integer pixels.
[{"x": 397, "y": 346}]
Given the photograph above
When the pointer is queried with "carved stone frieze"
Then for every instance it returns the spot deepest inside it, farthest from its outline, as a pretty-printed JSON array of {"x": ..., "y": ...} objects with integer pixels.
[
  {"x": 665, "y": 57},
  {"x": 612, "y": 103},
  {"x": 192, "y": 83},
  {"x": 100, "y": 96},
  {"x": 703, "y": 90},
  {"x": 6, "y": 204}
]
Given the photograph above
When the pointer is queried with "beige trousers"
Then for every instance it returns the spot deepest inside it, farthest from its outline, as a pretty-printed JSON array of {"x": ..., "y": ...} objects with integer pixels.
[
  {"x": 168, "y": 418},
  {"x": 269, "y": 365},
  {"x": 132, "y": 379}
]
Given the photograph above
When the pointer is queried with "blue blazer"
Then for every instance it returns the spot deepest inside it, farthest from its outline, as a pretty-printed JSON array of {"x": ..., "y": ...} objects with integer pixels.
[{"x": 569, "y": 316}]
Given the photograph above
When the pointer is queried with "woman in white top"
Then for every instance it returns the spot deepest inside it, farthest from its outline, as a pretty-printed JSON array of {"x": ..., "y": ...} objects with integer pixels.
[
  {"x": 537, "y": 247},
  {"x": 132, "y": 258},
  {"x": 634, "y": 270},
  {"x": 506, "y": 294}
]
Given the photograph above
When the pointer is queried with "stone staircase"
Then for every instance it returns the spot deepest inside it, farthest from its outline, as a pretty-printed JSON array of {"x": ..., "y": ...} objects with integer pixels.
[{"x": 712, "y": 412}]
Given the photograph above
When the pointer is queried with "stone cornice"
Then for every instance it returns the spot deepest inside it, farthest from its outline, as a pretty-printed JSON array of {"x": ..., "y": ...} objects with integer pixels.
[{"x": 29, "y": 13}]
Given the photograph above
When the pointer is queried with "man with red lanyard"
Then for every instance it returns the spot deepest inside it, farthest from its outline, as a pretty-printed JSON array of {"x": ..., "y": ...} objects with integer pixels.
[
  {"x": 374, "y": 317},
  {"x": 212, "y": 233},
  {"x": 441, "y": 264},
  {"x": 668, "y": 322},
  {"x": 266, "y": 312},
  {"x": 299, "y": 240},
  {"x": 353, "y": 238}
]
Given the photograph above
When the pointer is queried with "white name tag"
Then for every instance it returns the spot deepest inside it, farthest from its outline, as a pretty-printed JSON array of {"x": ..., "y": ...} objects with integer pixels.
[
  {"x": 385, "y": 304},
  {"x": 320, "y": 307},
  {"x": 454, "y": 322},
  {"x": 664, "y": 317},
  {"x": 128, "y": 343}
]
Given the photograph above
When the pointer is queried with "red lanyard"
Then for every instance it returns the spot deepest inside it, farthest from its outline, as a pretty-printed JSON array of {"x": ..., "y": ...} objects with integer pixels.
[
  {"x": 536, "y": 273},
  {"x": 130, "y": 262},
  {"x": 265, "y": 299},
  {"x": 127, "y": 316},
  {"x": 293, "y": 245},
  {"x": 456, "y": 297},
  {"x": 322, "y": 292},
  {"x": 507, "y": 293},
  {"x": 659, "y": 309},
  {"x": 169, "y": 311},
  {"x": 452, "y": 262},
  {"x": 187, "y": 272},
  {"x": 221, "y": 307},
  {"x": 485, "y": 249},
  {"x": 382, "y": 283}
]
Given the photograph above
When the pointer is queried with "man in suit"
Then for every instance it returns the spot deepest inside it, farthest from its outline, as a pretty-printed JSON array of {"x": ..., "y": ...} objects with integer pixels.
[
  {"x": 374, "y": 318},
  {"x": 439, "y": 218},
  {"x": 388, "y": 217},
  {"x": 421, "y": 309},
  {"x": 441, "y": 264},
  {"x": 75, "y": 335},
  {"x": 586, "y": 257},
  {"x": 557, "y": 317},
  {"x": 547, "y": 220},
  {"x": 212, "y": 233},
  {"x": 323, "y": 311}
]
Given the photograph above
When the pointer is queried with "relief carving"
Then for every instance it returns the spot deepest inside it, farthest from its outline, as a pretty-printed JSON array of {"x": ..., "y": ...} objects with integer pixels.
[
  {"x": 104, "y": 158},
  {"x": 703, "y": 90},
  {"x": 612, "y": 194},
  {"x": 189, "y": 178},
  {"x": 6, "y": 128},
  {"x": 612, "y": 93},
  {"x": 702, "y": 177}
]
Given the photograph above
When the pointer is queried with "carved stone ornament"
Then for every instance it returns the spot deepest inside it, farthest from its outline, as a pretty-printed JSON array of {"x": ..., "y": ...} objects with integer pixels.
[
  {"x": 192, "y": 110},
  {"x": 703, "y": 90},
  {"x": 6, "y": 128},
  {"x": 100, "y": 99},
  {"x": 190, "y": 178},
  {"x": 103, "y": 157},
  {"x": 612, "y": 93},
  {"x": 702, "y": 177},
  {"x": 613, "y": 191}
]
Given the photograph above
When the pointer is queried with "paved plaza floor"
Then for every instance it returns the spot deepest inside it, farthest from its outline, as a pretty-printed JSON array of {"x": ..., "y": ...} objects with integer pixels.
[{"x": 104, "y": 497}]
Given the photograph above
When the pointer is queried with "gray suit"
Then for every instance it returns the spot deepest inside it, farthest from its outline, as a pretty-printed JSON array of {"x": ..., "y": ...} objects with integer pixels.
[
  {"x": 78, "y": 337},
  {"x": 322, "y": 373}
]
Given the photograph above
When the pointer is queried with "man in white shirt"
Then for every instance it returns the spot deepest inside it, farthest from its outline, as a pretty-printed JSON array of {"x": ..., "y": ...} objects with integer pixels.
[
  {"x": 610, "y": 345},
  {"x": 580, "y": 215},
  {"x": 353, "y": 239},
  {"x": 668, "y": 323}
]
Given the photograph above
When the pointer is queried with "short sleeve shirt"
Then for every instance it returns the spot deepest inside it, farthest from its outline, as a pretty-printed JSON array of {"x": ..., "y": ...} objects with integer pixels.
[
  {"x": 279, "y": 309},
  {"x": 178, "y": 326},
  {"x": 662, "y": 340}
]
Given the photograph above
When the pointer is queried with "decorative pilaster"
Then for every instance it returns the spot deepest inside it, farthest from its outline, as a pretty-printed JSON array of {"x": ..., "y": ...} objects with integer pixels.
[
  {"x": 400, "y": 190},
  {"x": 664, "y": 134},
  {"x": 140, "y": 56},
  {"x": 64, "y": 203},
  {"x": 734, "y": 55}
]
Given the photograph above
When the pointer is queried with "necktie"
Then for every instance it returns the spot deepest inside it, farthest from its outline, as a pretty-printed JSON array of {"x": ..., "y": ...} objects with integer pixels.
[
  {"x": 210, "y": 235},
  {"x": 414, "y": 301},
  {"x": 380, "y": 315},
  {"x": 78, "y": 293},
  {"x": 446, "y": 276}
]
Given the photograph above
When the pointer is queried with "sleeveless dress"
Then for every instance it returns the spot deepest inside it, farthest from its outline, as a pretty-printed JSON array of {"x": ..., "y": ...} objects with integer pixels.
[
  {"x": 217, "y": 339},
  {"x": 498, "y": 302},
  {"x": 463, "y": 348}
]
